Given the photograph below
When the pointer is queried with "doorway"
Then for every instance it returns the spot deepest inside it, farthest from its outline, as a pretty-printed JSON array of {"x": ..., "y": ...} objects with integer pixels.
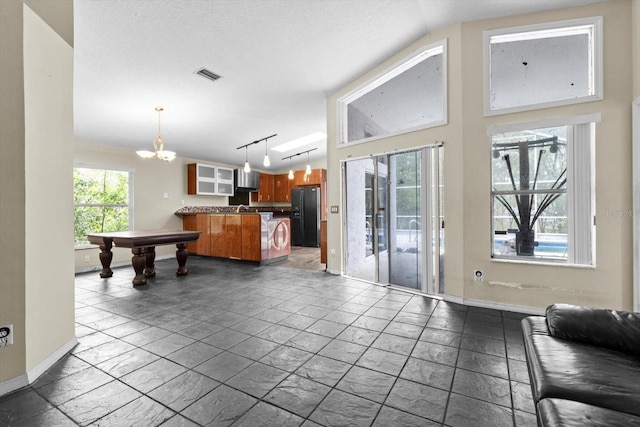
[{"x": 394, "y": 221}]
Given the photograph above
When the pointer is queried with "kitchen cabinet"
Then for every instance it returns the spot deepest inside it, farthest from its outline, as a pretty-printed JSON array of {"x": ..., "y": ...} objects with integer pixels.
[
  {"x": 198, "y": 223},
  {"x": 282, "y": 188},
  {"x": 251, "y": 234},
  {"x": 323, "y": 242},
  {"x": 265, "y": 192},
  {"x": 217, "y": 236},
  {"x": 224, "y": 181},
  {"x": 317, "y": 177},
  {"x": 209, "y": 180},
  {"x": 247, "y": 236},
  {"x": 233, "y": 236}
]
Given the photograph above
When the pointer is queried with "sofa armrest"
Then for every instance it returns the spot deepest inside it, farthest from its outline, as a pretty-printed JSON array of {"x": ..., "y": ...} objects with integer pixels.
[{"x": 615, "y": 330}]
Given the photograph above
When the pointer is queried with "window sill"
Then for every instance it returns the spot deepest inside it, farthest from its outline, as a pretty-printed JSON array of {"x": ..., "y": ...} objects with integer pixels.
[
  {"x": 85, "y": 246},
  {"x": 547, "y": 263}
]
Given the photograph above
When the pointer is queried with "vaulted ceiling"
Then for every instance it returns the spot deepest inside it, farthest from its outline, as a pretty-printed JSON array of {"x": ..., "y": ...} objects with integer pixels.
[{"x": 278, "y": 61}]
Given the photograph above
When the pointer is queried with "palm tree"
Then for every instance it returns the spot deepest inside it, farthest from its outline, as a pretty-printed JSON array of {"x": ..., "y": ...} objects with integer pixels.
[{"x": 525, "y": 213}]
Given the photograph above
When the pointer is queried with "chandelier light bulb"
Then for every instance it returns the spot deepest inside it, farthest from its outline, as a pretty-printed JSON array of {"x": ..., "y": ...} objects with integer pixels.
[
  {"x": 247, "y": 168},
  {"x": 291, "y": 175}
]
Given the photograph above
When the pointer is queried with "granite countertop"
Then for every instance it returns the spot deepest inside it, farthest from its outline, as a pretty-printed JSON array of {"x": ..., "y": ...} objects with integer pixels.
[{"x": 193, "y": 210}]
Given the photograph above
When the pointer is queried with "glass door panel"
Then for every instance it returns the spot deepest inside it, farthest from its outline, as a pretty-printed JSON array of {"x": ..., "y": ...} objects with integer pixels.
[
  {"x": 394, "y": 220},
  {"x": 405, "y": 222},
  {"x": 359, "y": 206}
]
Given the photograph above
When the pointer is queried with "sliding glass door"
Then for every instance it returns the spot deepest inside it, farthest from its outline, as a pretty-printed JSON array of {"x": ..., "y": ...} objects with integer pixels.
[{"x": 393, "y": 217}]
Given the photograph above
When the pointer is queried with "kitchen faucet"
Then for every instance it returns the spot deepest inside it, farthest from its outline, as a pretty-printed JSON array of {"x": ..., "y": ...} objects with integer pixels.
[{"x": 239, "y": 207}]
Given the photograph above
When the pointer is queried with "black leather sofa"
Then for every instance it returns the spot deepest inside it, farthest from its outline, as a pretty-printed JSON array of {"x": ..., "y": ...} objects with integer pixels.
[{"x": 584, "y": 366}]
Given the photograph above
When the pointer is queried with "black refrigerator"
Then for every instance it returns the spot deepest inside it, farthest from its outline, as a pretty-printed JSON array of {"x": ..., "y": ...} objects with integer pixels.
[{"x": 305, "y": 216}]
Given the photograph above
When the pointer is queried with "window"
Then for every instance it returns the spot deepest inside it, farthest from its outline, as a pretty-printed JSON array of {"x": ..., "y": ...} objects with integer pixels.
[
  {"x": 410, "y": 96},
  {"x": 540, "y": 66},
  {"x": 102, "y": 201},
  {"x": 542, "y": 192}
]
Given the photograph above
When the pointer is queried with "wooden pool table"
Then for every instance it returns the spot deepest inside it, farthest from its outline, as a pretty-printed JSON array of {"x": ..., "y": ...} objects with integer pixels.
[{"x": 143, "y": 246}]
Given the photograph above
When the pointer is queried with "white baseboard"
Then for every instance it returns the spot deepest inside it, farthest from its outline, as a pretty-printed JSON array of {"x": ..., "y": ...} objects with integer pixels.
[
  {"x": 24, "y": 380},
  {"x": 495, "y": 305},
  {"x": 13, "y": 384}
]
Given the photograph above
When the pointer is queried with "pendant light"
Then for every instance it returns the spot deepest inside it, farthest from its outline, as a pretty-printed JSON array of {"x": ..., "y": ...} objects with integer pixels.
[
  {"x": 291, "y": 175},
  {"x": 307, "y": 171},
  {"x": 266, "y": 161},
  {"x": 247, "y": 168},
  {"x": 158, "y": 146}
]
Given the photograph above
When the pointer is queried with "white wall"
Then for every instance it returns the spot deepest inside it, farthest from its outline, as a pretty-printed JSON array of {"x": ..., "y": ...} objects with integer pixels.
[
  {"x": 467, "y": 157},
  {"x": 48, "y": 87},
  {"x": 12, "y": 188},
  {"x": 36, "y": 122}
]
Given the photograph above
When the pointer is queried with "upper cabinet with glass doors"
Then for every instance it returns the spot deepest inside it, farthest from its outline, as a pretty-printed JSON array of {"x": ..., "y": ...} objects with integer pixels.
[{"x": 208, "y": 180}]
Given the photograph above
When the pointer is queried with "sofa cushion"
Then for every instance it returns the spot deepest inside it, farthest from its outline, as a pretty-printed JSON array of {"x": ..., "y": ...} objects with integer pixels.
[
  {"x": 617, "y": 330},
  {"x": 571, "y": 370},
  {"x": 566, "y": 413}
]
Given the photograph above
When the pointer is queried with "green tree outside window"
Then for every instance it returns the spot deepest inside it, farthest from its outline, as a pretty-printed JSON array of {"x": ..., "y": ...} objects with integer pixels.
[{"x": 101, "y": 199}]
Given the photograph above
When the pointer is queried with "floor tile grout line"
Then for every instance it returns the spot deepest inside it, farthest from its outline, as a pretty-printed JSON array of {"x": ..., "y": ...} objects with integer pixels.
[{"x": 316, "y": 289}]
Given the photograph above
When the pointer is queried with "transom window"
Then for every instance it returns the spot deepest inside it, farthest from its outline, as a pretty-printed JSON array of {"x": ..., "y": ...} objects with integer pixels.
[
  {"x": 540, "y": 66},
  {"x": 408, "y": 97}
]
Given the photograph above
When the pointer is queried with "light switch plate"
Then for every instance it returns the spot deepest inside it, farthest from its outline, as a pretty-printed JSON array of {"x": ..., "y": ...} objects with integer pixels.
[{"x": 334, "y": 209}]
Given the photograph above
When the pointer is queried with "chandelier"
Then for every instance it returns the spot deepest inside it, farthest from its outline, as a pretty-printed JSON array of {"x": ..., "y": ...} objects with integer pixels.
[{"x": 158, "y": 146}]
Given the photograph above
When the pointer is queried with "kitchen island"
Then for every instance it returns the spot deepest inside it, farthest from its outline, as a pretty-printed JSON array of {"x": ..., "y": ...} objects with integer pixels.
[{"x": 249, "y": 236}]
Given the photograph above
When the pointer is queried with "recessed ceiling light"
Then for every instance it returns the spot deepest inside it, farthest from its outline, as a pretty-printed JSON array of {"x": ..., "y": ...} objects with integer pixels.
[{"x": 296, "y": 143}]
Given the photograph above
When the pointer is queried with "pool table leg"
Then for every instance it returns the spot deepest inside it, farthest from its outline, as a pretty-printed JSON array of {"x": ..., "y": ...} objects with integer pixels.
[
  {"x": 150, "y": 258},
  {"x": 181, "y": 256},
  {"x": 105, "y": 258},
  {"x": 138, "y": 260}
]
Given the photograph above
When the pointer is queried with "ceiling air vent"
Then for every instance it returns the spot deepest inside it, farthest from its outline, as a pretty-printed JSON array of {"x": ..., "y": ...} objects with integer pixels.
[{"x": 208, "y": 74}]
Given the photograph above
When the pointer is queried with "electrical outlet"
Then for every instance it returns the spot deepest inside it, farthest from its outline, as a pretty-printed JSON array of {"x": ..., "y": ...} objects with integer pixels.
[
  {"x": 478, "y": 276},
  {"x": 87, "y": 258},
  {"x": 165, "y": 195},
  {"x": 333, "y": 253},
  {"x": 6, "y": 335}
]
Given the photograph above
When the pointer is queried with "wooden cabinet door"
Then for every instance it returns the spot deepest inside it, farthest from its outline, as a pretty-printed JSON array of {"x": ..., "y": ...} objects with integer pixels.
[
  {"x": 218, "y": 237},
  {"x": 282, "y": 188},
  {"x": 233, "y": 241},
  {"x": 265, "y": 192},
  {"x": 199, "y": 223},
  {"x": 323, "y": 242},
  {"x": 317, "y": 177},
  {"x": 266, "y": 187},
  {"x": 251, "y": 233}
]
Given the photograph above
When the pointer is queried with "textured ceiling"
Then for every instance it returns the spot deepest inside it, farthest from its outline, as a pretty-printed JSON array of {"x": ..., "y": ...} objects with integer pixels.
[{"x": 279, "y": 60}]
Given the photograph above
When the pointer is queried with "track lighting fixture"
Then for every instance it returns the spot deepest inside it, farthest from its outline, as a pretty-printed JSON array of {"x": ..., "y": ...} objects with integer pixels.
[{"x": 266, "y": 163}]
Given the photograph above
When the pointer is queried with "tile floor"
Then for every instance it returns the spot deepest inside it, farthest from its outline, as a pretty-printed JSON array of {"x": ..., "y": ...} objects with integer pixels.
[{"x": 235, "y": 344}]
